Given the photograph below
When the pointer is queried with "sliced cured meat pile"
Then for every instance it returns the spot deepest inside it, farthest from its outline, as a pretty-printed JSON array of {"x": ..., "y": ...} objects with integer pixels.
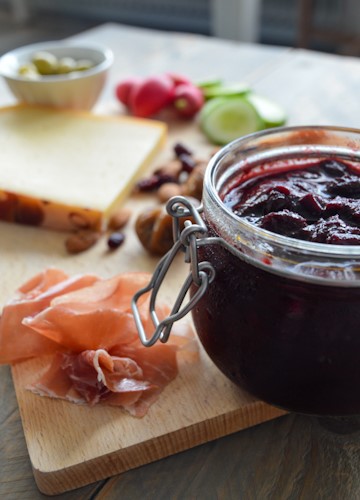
[{"x": 84, "y": 324}]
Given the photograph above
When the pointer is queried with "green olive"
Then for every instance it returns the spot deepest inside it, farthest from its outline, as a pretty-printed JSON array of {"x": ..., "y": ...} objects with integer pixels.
[
  {"x": 29, "y": 71},
  {"x": 66, "y": 65},
  {"x": 45, "y": 62},
  {"x": 84, "y": 64}
]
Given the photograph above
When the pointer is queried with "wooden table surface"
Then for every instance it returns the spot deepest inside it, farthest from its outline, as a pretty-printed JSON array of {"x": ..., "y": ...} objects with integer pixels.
[{"x": 287, "y": 458}]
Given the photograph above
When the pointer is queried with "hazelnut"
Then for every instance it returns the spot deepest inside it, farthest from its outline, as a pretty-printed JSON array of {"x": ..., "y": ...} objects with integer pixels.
[
  {"x": 119, "y": 219},
  {"x": 81, "y": 241},
  {"x": 193, "y": 186},
  {"x": 168, "y": 190},
  {"x": 171, "y": 169}
]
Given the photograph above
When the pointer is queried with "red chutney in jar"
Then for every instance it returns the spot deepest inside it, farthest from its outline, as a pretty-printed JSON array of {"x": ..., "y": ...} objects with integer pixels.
[
  {"x": 287, "y": 338},
  {"x": 319, "y": 203}
]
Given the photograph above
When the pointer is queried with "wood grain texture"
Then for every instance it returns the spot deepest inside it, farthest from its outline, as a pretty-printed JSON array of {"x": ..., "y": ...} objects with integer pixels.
[
  {"x": 70, "y": 446},
  {"x": 292, "y": 457}
]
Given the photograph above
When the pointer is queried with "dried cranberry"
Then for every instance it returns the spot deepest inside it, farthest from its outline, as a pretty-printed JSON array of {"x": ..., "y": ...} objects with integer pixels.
[
  {"x": 153, "y": 182},
  {"x": 187, "y": 162},
  {"x": 180, "y": 149},
  {"x": 115, "y": 240},
  {"x": 147, "y": 184}
]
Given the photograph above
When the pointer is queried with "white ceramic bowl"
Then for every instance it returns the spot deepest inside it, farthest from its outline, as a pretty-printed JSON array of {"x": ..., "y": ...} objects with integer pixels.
[{"x": 75, "y": 90}]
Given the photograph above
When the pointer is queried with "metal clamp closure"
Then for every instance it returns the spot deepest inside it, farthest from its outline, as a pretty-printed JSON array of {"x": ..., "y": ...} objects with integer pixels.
[{"x": 201, "y": 274}]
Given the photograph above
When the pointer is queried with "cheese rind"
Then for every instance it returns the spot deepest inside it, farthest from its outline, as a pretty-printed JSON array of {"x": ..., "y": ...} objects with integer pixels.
[
  {"x": 34, "y": 212},
  {"x": 70, "y": 166}
]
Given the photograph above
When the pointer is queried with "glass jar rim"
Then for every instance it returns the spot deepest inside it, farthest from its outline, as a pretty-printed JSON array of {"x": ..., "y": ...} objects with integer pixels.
[{"x": 318, "y": 249}]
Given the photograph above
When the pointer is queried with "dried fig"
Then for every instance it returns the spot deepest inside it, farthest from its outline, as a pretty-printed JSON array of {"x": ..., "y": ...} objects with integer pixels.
[{"x": 154, "y": 229}]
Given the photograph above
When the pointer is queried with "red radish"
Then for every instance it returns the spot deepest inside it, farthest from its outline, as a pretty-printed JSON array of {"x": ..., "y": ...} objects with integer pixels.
[
  {"x": 188, "y": 100},
  {"x": 178, "y": 79},
  {"x": 151, "y": 96},
  {"x": 123, "y": 89}
]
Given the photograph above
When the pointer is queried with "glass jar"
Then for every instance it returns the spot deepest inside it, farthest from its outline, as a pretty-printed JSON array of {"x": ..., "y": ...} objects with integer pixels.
[{"x": 279, "y": 316}]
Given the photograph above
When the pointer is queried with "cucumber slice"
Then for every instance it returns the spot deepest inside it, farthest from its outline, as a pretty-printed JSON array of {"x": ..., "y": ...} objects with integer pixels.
[
  {"x": 234, "y": 90},
  {"x": 271, "y": 113},
  {"x": 224, "y": 119},
  {"x": 206, "y": 84}
]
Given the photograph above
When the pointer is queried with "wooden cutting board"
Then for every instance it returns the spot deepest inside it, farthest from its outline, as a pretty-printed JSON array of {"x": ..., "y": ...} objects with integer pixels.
[{"x": 71, "y": 446}]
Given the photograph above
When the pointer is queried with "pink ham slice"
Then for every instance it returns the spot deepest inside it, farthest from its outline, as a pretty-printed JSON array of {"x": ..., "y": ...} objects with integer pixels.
[
  {"x": 18, "y": 341},
  {"x": 87, "y": 324}
]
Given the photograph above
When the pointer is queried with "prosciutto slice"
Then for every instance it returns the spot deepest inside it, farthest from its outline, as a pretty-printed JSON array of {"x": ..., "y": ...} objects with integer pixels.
[
  {"x": 86, "y": 325},
  {"x": 19, "y": 342}
]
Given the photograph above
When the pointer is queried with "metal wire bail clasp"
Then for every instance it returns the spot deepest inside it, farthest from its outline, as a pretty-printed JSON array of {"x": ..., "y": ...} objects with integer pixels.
[{"x": 201, "y": 274}]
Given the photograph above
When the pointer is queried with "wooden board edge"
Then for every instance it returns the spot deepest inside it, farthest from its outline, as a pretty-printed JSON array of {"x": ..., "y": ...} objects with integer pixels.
[{"x": 61, "y": 481}]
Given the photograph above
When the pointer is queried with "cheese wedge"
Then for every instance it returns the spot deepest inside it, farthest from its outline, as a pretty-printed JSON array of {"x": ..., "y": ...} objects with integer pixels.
[{"x": 66, "y": 169}]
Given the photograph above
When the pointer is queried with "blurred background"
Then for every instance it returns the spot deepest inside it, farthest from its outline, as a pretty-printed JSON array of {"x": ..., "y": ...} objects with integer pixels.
[{"x": 325, "y": 25}]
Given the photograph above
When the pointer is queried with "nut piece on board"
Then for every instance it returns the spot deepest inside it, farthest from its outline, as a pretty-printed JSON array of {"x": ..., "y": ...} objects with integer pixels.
[
  {"x": 119, "y": 219},
  {"x": 193, "y": 186},
  {"x": 81, "y": 241},
  {"x": 168, "y": 190},
  {"x": 172, "y": 169}
]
